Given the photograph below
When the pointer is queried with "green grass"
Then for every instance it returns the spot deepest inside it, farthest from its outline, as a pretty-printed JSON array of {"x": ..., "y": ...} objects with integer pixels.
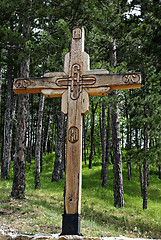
[{"x": 42, "y": 210}]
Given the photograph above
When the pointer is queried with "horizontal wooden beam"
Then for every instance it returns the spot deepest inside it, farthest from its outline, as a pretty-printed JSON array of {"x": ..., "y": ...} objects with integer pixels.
[
  {"x": 36, "y": 85},
  {"x": 128, "y": 86},
  {"x": 51, "y": 93},
  {"x": 102, "y": 91},
  {"x": 116, "y": 81}
]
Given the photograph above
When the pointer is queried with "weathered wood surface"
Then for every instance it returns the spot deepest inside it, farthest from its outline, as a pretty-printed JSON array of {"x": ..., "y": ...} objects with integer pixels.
[
  {"x": 36, "y": 85},
  {"x": 92, "y": 82},
  {"x": 75, "y": 85},
  {"x": 77, "y": 105}
]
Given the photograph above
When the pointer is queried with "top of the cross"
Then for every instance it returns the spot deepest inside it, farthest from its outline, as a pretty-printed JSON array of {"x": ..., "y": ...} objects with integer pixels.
[
  {"x": 78, "y": 37},
  {"x": 78, "y": 33}
]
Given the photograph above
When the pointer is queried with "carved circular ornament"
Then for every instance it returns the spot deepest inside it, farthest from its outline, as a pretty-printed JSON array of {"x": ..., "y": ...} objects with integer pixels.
[
  {"x": 22, "y": 83},
  {"x": 73, "y": 134},
  {"x": 131, "y": 78}
]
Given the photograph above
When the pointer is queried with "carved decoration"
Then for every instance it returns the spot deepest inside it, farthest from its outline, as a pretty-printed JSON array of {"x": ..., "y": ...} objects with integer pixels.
[
  {"x": 22, "y": 83},
  {"x": 76, "y": 81},
  {"x": 73, "y": 134},
  {"x": 131, "y": 78},
  {"x": 62, "y": 82},
  {"x": 76, "y": 87},
  {"x": 77, "y": 33}
]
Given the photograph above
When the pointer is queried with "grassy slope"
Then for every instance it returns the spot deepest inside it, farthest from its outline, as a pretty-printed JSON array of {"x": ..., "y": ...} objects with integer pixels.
[{"x": 41, "y": 211}]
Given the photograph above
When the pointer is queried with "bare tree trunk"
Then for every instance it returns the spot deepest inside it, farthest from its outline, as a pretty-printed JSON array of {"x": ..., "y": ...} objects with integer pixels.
[
  {"x": 159, "y": 169},
  {"x": 53, "y": 135},
  {"x": 128, "y": 140},
  {"x": 103, "y": 142},
  {"x": 117, "y": 166},
  {"x": 47, "y": 136},
  {"x": 148, "y": 174},
  {"x": 38, "y": 142},
  {"x": 141, "y": 178},
  {"x": 91, "y": 156},
  {"x": 59, "y": 148},
  {"x": 84, "y": 142},
  {"x": 116, "y": 141},
  {"x": 140, "y": 163},
  {"x": 41, "y": 153},
  {"x": 0, "y": 101},
  {"x": 145, "y": 184},
  {"x": 19, "y": 177},
  {"x": 19, "y": 169},
  {"x": 1, "y": 120},
  {"x": 145, "y": 176},
  {"x": 8, "y": 124},
  {"x": 30, "y": 131},
  {"x": 107, "y": 157},
  {"x": 62, "y": 169}
]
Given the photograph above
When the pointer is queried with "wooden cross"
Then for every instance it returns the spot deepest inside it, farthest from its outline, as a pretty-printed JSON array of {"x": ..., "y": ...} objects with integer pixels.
[{"x": 75, "y": 85}]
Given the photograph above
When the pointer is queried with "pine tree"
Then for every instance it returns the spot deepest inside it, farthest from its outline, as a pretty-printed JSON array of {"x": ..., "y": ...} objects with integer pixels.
[
  {"x": 19, "y": 178},
  {"x": 59, "y": 149},
  {"x": 39, "y": 142},
  {"x": 116, "y": 141}
]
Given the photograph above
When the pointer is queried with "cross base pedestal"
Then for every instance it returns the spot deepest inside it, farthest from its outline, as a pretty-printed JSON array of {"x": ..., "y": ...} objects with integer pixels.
[{"x": 71, "y": 224}]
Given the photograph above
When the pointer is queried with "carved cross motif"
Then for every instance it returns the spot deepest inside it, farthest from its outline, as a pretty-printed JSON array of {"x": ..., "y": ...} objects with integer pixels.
[
  {"x": 76, "y": 81},
  {"x": 73, "y": 134},
  {"x": 75, "y": 85}
]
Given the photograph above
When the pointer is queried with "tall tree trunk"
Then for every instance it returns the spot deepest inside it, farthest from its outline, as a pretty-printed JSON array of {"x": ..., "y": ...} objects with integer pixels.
[
  {"x": 107, "y": 155},
  {"x": 19, "y": 169},
  {"x": 8, "y": 123},
  {"x": 129, "y": 155},
  {"x": 141, "y": 178},
  {"x": 145, "y": 172},
  {"x": 116, "y": 141},
  {"x": 38, "y": 142},
  {"x": 84, "y": 141},
  {"x": 0, "y": 101},
  {"x": 159, "y": 170},
  {"x": 62, "y": 169},
  {"x": 47, "y": 135},
  {"x": 59, "y": 148},
  {"x": 41, "y": 153},
  {"x": 53, "y": 135},
  {"x": 91, "y": 156},
  {"x": 117, "y": 166},
  {"x": 30, "y": 131},
  {"x": 102, "y": 133},
  {"x": 19, "y": 176},
  {"x": 148, "y": 175},
  {"x": 129, "y": 169},
  {"x": 128, "y": 140},
  {"x": 140, "y": 163}
]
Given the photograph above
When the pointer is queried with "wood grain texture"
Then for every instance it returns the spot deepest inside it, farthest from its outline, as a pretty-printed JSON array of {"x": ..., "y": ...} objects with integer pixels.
[
  {"x": 76, "y": 109},
  {"x": 73, "y": 180},
  {"x": 75, "y": 85},
  {"x": 35, "y": 85}
]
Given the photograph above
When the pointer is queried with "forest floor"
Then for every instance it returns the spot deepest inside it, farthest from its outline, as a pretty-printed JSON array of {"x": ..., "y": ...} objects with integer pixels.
[{"x": 41, "y": 210}]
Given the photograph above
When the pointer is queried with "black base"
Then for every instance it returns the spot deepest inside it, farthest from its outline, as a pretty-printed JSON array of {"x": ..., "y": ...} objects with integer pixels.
[{"x": 71, "y": 224}]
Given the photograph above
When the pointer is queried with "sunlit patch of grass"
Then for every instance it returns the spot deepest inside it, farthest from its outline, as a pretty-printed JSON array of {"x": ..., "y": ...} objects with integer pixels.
[
  {"x": 97, "y": 204},
  {"x": 41, "y": 211}
]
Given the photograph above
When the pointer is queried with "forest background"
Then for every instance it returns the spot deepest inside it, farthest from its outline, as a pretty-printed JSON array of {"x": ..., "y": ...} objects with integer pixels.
[{"x": 121, "y": 36}]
